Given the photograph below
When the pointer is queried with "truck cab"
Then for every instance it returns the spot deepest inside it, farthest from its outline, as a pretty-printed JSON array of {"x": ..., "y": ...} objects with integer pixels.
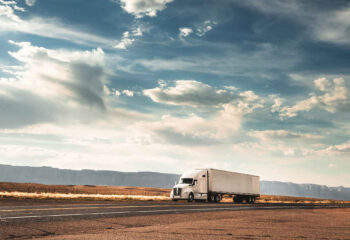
[{"x": 192, "y": 185}]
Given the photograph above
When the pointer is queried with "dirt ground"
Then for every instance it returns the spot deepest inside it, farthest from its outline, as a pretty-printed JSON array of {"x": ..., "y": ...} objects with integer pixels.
[
  {"x": 258, "y": 224},
  {"x": 286, "y": 224}
]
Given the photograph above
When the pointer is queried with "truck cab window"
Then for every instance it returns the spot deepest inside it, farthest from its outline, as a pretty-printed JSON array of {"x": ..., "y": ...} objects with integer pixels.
[{"x": 186, "y": 180}]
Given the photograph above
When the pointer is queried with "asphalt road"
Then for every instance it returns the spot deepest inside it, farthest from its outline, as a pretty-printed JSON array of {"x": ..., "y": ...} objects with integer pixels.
[
  {"x": 28, "y": 219},
  {"x": 61, "y": 211}
]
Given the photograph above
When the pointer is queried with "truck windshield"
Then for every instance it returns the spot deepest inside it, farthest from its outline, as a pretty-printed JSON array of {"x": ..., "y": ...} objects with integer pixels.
[{"x": 186, "y": 180}]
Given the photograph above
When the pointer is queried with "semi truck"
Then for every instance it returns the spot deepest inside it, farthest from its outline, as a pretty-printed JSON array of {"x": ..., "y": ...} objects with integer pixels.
[{"x": 212, "y": 184}]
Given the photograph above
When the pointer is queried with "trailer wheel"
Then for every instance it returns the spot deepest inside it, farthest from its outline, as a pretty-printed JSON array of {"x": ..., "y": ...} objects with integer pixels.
[
  {"x": 190, "y": 197},
  {"x": 217, "y": 198},
  {"x": 237, "y": 199},
  {"x": 250, "y": 199}
]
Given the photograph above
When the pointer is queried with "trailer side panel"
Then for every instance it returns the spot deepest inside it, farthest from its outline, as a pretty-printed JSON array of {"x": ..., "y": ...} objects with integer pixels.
[{"x": 233, "y": 183}]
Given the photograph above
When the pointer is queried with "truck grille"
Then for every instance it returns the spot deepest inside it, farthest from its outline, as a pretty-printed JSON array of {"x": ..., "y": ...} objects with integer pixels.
[{"x": 177, "y": 191}]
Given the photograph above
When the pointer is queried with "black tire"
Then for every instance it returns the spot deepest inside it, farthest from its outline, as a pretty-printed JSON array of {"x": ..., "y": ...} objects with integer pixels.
[
  {"x": 211, "y": 198},
  {"x": 237, "y": 199},
  {"x": 174, "y": 200},
  {"x": 253, "y": 199},
  {"x": 190, "y": 197},
  {"x": 217, "y": 198}
]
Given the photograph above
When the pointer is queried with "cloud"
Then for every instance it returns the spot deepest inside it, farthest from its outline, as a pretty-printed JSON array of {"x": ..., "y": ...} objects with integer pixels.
[
  {"x": 45, "y": 27},
  {"x": 331, "y": 25},
  {"x": 340, "y": 148},
  {"x": 128, "y": 93},
  {"x": 334, "y": 27},
  {"x": 192, "y": 129},
  {"x": 184, "y": 32},
  {"x": 229, "y": 61},
  {"x": 332, "y": 165},
  {"x": 205, "y": 27},
  {"x": 7, "y": 11},
  {"x": 197, "y": 94},
  {"x": 141, "y": 8},
  {"x": 125, "y": 42},
  {"x": 283, "y": 135},
  {"x": 333, "y": 99},
  {"x": 277, "y": 103},
  {"x": 227, "y": 107},
  {"x": 30, "y": 2},
  {"x": 128, "y": 38},
  {"x": 52, "y": 86}
]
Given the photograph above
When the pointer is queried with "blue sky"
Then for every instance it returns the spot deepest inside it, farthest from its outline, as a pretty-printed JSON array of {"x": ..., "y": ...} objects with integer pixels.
[{"x": 258, "y": 86}]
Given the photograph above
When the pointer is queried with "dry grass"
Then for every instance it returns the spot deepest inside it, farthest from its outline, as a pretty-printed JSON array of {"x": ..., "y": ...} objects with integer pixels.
[
  {"x": 70, "y": 196},
  {"x": 82, "y": 189},
  {"x": 120, "y": 193},
  {"x": 82, "y": 192},
  {"x": 303, "y": 200}
]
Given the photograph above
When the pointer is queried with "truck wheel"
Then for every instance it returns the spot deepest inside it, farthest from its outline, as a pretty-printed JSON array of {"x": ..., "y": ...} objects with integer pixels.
[
  {"x": 174, "y": 200},
  {"x": 190, "y": 197},
  {"x": 212, "y": 198},
  {"x": 217, "y": 198}
]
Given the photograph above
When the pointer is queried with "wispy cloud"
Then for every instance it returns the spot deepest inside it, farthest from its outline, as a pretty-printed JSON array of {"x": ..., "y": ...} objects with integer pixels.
[
  {"x": 329, "y": 26},
  {"x": 30, "y": 2},
  {"x": 46, "y": 27},
  {"x": 128, "y": 38},
  {"x": 205, "y": 27}
]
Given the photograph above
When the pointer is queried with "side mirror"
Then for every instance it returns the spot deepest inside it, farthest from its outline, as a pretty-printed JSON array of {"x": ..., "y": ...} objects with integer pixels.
[{"x": 175, "y": 183}]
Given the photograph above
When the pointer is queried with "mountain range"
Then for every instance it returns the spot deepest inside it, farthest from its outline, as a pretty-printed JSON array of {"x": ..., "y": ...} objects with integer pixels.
[{"x": 49, "y": 175}]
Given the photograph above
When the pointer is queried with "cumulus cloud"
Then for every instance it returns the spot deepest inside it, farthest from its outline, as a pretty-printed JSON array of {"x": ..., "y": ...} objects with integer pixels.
[
  {"x": 7, "y": 11},
  {"x": 190, "y": 93},
  {"x": 333, "y": 97},
  {"x": 141, "y": 8},
  {"x": 197, "y": 94},
  {"x": 184, "y": 32},
  {"x": 52, "y": 86}
]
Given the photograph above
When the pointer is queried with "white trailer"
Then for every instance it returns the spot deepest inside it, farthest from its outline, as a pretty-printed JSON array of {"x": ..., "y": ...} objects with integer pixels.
[{"x": 212, "y": 185}]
